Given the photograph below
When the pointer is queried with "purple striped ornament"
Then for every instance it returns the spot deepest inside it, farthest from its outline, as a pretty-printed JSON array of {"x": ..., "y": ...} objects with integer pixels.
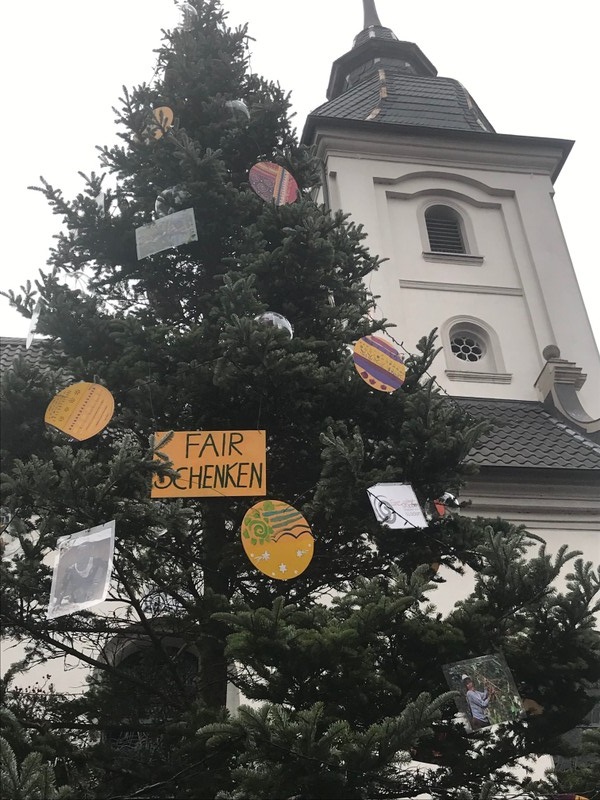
[{"x": 379, "y": 364}]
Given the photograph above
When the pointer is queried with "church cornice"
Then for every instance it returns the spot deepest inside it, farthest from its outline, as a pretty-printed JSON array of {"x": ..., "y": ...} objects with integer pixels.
[{"x": 502, "y": 151}]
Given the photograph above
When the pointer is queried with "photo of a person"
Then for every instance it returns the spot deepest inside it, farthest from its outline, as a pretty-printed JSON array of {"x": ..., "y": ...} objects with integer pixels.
[
  {"x": 486, "y": 693},
  {"x": 478, "y": 703},
  {"x": 82, "y": 570},
  {"x": 84, "y": 578}
]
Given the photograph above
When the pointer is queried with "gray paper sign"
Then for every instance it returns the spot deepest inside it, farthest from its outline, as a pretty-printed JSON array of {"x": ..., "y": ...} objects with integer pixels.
[{"x": 170, "y": 231}]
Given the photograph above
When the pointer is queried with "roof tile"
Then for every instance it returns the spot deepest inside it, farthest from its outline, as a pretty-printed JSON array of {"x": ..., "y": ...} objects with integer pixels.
[
  {"x": 431, "y": 102},
  {"x": 525, "y": 433}
]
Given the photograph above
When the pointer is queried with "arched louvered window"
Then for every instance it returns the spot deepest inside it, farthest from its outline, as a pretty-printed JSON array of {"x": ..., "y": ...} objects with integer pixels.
[{"x": 444, "y": 229}]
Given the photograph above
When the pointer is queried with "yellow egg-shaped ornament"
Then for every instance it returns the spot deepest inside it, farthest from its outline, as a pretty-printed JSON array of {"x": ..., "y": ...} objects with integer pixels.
[
  {"x": 277, "y": 539},
  {"x": 81, "y": 410}
]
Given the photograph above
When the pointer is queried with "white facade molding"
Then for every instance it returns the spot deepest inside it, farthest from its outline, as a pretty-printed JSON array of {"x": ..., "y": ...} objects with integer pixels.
[
  {"x": 477, "y": 288},
  {"x": 476, "y": 376}
]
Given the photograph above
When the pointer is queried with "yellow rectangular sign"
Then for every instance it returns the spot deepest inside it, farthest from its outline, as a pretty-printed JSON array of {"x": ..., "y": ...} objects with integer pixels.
[{"x": 214, "y": 464}]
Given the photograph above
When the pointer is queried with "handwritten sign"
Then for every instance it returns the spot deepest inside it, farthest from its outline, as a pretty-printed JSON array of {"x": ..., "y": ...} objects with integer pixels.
[{"x": 214, "y": 464}]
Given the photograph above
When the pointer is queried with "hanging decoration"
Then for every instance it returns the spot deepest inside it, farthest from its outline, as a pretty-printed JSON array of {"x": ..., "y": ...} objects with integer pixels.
[
  {"x": 212, "y": 464},
  {"x": 33, "y": 322},
  {"x": 100, "y": 201},
  {"x": 441, "y": 505},
  {"x": 82, "y": 570},
  {"x": 171, "y": 231},
  {"x": 396, "y": 506},
  {"x": 170, "y": 200},
  {"x": 239, "y": 109},
  {"x": 488, "y": 693},
  {"x": 273, "y": 183},
  {"x": 189, "y": 16},
  {"x": 163, "y": 120},
  {"x": 277, "y": 321},
  {"x": 277, "y": 539},
  {"x": 379, "y": 364},
  {"x": 81, "y": 410}
]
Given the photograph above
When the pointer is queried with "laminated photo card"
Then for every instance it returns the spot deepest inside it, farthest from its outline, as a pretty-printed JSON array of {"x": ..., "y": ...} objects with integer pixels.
[
  {"x": 488, "y": 693},
  {"x": 82, "y": 570}
]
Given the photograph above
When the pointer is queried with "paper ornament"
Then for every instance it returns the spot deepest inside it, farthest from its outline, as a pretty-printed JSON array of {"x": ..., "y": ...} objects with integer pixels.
[
  {"x": 396, "y": 506},
  {"x": 170, "y": 231},
  {"x": 239, "y": 109},
  {"x": 440, "y": 506},
  {"x": 273, "y": 183},
  {"x": 379, "y": 364},
  {"x": 212, "y": 464},
  {"x": 82, "y": 570},
  {"x": 277, "y": 321},
  {"x": 449, "y": 500},
  {"x": 163, "y": 120},
  {"x": 170, "y": 200},
  {"x": 488, "y": 693},
  {"x": 277, "y": 539},
  {"x": 33, "y": 324},
  {"x": 100, "y": 201},
  {"x": 189, "y": 16},
  {"x": 81, "y": 410}
]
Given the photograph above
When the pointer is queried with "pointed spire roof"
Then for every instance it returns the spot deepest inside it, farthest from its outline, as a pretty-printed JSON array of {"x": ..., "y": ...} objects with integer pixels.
[
  {"x": 372, "y": 45},
  {"x": 385, "y": 80},
  {"x": 371, "y": 15}
]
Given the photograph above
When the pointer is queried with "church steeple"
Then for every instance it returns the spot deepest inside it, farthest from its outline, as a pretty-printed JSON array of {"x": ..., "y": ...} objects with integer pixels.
[
  {"x": 387, "y": 81},
  {"x": 375, "y": 47},
  {"x": 371, "y": 15}
]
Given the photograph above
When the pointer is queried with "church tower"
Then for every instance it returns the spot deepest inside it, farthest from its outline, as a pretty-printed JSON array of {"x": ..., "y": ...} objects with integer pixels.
[{"x": 466, "y": 220}]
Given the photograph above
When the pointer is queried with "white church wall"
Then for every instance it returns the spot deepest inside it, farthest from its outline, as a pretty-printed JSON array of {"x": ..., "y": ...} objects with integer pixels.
[{"x": 523, "y": 275}]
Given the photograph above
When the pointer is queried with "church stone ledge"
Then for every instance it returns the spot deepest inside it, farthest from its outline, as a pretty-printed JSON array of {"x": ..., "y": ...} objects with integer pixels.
[
  {"x": 474, "y": 288},
  {"x": 446, "y": 148},
  {"x": 541, "y": 498},
  {"x": 478, "y": 377},
  {"x": 453, "y": 258}
]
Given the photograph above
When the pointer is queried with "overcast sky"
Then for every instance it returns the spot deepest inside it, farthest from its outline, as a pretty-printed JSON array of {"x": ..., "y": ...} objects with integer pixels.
[{"x": 531, "y": 66}]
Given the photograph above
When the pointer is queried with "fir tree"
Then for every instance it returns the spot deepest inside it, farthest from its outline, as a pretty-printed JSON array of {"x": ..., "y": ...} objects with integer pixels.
[{"x": 343, "y": 664}]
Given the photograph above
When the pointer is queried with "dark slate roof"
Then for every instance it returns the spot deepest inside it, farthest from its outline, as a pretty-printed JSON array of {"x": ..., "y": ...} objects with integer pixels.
[
  {"x": 375, "y": 32},
  {"x": 11, "y": 347},
  {"x": 430, "y": 102},
  {"x": 526, "y": 435}
]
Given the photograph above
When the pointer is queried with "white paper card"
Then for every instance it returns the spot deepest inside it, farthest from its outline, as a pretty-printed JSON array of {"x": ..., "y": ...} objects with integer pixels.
[
  {"x": 33, "y": 324},
  {"x": 82, "y": 570},
  {"x": 396, "y": 506},
  {"x": 170, "y": 231}
]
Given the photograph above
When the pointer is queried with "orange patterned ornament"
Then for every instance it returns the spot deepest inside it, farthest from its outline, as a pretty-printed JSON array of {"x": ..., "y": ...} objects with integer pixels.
[
  {"x": 81, "y": 410},
  {"x": 277, "y": 539}
]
